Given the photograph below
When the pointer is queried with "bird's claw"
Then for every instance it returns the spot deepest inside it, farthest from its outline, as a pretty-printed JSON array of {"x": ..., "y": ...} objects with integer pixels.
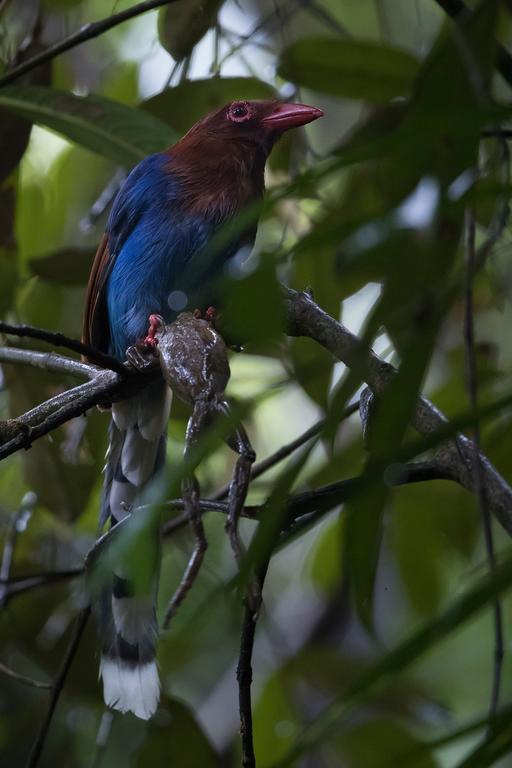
[
  {"x": 209, "y": 315},
  {"x": 155, "y": 323},
  {"x": 142, "y": 355}
]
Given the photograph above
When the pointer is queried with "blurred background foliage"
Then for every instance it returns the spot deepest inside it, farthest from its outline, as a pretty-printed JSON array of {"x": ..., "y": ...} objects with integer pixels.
[{"x": 374, "y": 228}]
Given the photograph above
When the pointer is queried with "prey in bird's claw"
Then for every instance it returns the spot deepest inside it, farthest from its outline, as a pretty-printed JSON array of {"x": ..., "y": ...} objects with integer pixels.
[{"x": 194, "y": 362}]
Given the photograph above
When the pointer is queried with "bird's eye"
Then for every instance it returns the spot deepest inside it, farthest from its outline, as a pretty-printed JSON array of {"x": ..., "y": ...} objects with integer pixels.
[{"x": 239, "y": 112}]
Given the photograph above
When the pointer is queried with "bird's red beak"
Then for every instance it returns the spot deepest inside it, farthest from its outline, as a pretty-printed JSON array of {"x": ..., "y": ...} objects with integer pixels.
[{"x": 285, "y": 116}]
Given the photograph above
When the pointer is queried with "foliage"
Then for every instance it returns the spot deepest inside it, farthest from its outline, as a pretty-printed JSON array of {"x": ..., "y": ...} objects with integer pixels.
[{"x": 375, "y": 646}]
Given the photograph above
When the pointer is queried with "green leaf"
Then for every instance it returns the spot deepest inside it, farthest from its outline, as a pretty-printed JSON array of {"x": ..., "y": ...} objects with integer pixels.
[
  {"x": 123, "y": 134},
  {"x": 253, "y": 309},
  {"x": 182, "y": 24},
  {"x": 363, "y": 536},
  {"x": 67, "y": 266},
  {"x": 381, "y": 743},
  {"x": 349, "y": 68},
  {"x": 426, "y": 540},
  {"x": 312, "y": 368},
  {"x": 326, "y": 560}
]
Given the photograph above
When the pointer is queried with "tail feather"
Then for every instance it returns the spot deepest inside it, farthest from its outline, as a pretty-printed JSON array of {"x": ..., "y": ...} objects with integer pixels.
[{"x": 127, "y": 620}]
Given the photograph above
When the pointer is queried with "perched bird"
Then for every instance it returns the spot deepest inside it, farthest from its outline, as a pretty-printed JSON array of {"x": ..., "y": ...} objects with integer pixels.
[{"x": 159, "y": 255}]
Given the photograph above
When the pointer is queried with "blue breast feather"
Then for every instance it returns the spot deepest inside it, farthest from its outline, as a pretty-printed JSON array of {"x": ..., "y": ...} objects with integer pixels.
[{"x": 152, "y": 242}]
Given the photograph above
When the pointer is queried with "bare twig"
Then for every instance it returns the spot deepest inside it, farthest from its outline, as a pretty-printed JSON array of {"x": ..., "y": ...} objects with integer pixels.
[
  {"x": 472, "y": 387},
  {"x": 17, "y": 523},
  {"x": 244, "y": 669},
  {"x": 87, "y": 32},
  {"x": 20, "y": 584},
  {"x": 306, "y": 507},
  {"x": 60, "y": 340},
  {"x": 58, "y": 685},
  {"x": 286, "y": 450},
  {"x": 22, "y": 678},
  {"x": 193, "y": 513}
]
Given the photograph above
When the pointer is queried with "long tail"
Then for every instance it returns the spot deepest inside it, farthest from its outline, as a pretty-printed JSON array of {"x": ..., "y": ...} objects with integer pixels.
[{"x": 127, "y": 618}]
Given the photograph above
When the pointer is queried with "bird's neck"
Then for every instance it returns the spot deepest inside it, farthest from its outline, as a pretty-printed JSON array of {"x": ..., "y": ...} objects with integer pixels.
[{"x": 217, "y": 179}]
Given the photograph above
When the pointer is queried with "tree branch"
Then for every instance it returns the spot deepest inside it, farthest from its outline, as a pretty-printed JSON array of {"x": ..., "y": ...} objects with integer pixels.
[
  {"x": 8, "y": 672},
  {"x": 286, "y": 450},
  {"x": 306, "y": 318},
  {"x": 58, "y": 685},
  {"x": 472, "y": 388},
  {"x": 60, "y": 340},
  {"x": 87, "y": 32}
]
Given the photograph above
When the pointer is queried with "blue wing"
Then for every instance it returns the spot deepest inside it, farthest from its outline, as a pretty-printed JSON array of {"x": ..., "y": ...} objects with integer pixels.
[{"x": 151, "y": 242}]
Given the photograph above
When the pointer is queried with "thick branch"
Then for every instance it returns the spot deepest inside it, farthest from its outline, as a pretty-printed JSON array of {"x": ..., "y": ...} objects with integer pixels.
[
  {"x": 87, "y": 32},
  {"x": 103, "y": 386},
  {"x": 305, "y": 318}
]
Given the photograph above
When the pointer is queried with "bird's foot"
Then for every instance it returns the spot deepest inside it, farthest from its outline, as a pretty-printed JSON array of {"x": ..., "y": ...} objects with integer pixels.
[
  {"x": 142, "y": 355},
  {"x": 155, "y": 323},
  {"x": 209, "y": 315}
]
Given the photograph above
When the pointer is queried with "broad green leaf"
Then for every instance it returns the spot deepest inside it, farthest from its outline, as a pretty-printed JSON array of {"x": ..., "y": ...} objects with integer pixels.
[
  {"x": 8, "y": 252},
  {"x": 428, "y": 531},
  {"x": 349, "y": 68},
  {"x": 252, "y": 305},
  {"x": 67, "y": 266},
  {"x": 183, "y": 23},
  {"x": 123, "y": 134},
  {"x": 312, "y": 368},
  {"x": 326, "y": 559}
]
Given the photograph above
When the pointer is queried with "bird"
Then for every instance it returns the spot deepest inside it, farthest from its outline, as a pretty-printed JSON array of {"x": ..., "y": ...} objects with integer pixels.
[{"x": 161, "y": 254}]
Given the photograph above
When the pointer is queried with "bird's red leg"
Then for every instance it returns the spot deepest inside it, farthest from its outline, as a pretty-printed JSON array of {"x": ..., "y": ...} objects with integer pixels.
[
  {"x": 142, "y": 354},
  {"x": 155, "y": 322}
]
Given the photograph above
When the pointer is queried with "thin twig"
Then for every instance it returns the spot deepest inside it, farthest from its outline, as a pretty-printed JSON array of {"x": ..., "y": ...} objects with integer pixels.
[
  {"x": 60, "y": 340},
  {"x": 472, "y": 387},
  {"x": 22, "y": 514},
  {"x": 286, "y": 450},
  {"x": 20, "y": 584},
  {"x": 58, "y": 685},
  {"x": 86, "y": 32},
  {"x": 22, "y": 678},
  {"x": 244, "y": 670}
]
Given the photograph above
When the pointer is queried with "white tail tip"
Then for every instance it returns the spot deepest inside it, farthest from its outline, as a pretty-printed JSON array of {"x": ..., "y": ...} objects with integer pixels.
[{"x": 130, "y": 688}]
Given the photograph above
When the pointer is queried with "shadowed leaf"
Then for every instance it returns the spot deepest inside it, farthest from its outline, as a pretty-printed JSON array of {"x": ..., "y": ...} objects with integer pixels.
[{"x": 123, "y": 134}]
